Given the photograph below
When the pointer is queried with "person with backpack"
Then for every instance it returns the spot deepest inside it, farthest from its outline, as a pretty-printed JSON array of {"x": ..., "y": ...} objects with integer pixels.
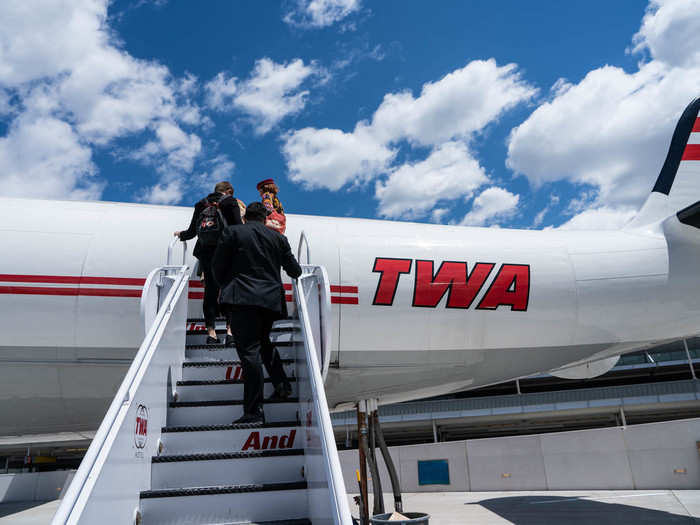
[{"x": 211, "y": 215}]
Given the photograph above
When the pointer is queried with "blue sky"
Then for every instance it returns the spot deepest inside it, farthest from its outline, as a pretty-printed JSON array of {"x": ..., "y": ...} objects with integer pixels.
[{"x": 512, "y": 114}]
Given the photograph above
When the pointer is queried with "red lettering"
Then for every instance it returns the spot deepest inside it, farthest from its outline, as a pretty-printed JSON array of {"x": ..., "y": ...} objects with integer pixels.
[
  {"x": 510, "y": 287},
  {"x": 269, "y": 442},
  {"x": 288, "y": 441},
  {"x": 430, "y": 288},
  {"x": 235, "y": 375},
  {"x": 390, "y": 270},
  {"x": 253, "y": 441},
  {"x": 141, "y": 426}
]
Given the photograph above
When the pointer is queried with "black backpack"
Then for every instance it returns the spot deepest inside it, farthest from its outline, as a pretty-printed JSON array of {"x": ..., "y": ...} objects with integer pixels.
[{"x": 211, "y": 224}]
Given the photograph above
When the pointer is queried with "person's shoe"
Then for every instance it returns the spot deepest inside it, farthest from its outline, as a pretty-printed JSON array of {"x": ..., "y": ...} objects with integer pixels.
[
  {"x": 250, "y": 419},
  {"x": 281, "y": 393},
  {"x": 230, "y": 342},
  {"x": 212, "y": 340}
]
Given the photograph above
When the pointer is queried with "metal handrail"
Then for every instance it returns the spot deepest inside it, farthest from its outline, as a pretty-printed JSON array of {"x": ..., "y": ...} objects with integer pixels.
[
  {"x": 170, "y": 251},
  {"x": 121, "y": 399},
  {"x": 325, "y": 301},
  {"x": 336, "y": 484},
  {"x": 303, "y": 239}
]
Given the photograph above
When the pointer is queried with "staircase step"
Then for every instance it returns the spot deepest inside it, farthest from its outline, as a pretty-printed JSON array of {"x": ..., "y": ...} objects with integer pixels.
[
  {"x": 219, "y": 370},
  {"x": 223, "y": 412},
  {"x": 233, "y": 468},
  {"x": 219, "y": 352},
  {"x": 225, "y": 438},
  {"x": 302, "y": 521},
  {"x": 220, "y": 390},
  {"x": 199, "y": 337},
  {"x": 225, "y": 504}
]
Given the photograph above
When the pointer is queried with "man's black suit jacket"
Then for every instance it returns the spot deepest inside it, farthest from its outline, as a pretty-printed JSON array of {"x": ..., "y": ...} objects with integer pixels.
[{"x": 247, "y": 266}]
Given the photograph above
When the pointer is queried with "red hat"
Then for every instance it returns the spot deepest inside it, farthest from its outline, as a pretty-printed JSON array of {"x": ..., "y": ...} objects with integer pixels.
[{"x": 263, "y": 182}]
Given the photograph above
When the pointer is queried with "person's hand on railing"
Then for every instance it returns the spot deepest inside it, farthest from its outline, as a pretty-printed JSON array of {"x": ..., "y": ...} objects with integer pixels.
[{"x": 177, "y": 234}]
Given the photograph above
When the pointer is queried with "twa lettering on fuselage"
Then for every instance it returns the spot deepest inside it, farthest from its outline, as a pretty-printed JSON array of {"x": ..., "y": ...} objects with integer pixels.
[
  {"x": 269, "y": 442},
  {"x": 510, "y": 287}
]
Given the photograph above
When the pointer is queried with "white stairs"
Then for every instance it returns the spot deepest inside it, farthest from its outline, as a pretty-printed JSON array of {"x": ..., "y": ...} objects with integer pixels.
[{"x": 210, "y": 471}]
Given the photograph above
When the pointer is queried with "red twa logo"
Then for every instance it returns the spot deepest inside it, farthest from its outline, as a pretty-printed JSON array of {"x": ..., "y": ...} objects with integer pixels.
[
  {"x": 269, "y": 442},
  {"x": 510, "y": 287},
  {"x": 141, "y": 428}
]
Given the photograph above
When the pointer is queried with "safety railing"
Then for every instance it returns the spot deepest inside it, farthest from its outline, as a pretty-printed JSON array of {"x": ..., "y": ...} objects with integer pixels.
[
  {"x": 171, "y": 248},
  {"x": 326, "y": 489},
  {"x": 116, "y": 467}
]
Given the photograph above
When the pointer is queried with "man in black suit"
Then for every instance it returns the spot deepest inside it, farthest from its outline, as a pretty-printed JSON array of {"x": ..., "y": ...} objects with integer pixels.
[{"x": 247, "y": 267}]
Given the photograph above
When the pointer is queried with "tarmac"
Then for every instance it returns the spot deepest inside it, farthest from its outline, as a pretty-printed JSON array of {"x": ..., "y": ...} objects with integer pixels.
[
  {"x": 553, "y": 508},
  {"x": 496, "y": 508}
]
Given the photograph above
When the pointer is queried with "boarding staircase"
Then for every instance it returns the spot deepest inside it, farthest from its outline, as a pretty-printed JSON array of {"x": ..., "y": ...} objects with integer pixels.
[{"x": 167, "y": 451}]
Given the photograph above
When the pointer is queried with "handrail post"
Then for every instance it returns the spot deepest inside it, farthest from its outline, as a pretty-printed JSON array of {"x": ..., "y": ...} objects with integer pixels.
[{"x": 303, "y": 239}]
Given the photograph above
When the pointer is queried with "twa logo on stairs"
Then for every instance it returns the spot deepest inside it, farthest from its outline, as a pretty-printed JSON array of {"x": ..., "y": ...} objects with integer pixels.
[{"x": 269, "y": 442}]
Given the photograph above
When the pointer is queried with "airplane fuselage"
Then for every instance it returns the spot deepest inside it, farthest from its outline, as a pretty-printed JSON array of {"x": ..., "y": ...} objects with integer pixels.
[{"x": 418, "y": 310}]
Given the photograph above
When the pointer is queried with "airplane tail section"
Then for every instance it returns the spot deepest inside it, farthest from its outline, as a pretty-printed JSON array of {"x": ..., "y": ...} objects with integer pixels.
[{"x": 677, "y": 190}]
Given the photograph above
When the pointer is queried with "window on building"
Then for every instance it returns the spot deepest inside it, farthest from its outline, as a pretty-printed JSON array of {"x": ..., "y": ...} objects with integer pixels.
[{"x": 433, "y": 472}]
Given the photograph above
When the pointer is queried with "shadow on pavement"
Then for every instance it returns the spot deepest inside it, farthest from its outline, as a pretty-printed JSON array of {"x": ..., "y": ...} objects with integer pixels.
[
  {"x": 538, "y": 510},
  {"x": 7, "y": 509}
]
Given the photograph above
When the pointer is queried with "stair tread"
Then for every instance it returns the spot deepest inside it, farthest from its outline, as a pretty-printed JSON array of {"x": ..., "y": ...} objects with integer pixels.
[
  {"x": 205, "y": 382},
  {"x": 222, "y": 346},
  {"x": 223, "y": 331},
  {"x": 209, "y": 456},
  {"x": 224, "y": 402},
  {"x": 222, "y": 489},
  {"x": 239, "y": 426},
  {"x": 302, "y": 521},
  {"x": 188, "y": 364}
]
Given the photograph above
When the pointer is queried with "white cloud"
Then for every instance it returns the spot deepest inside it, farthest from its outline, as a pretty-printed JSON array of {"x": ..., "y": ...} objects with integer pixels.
[
  {"x": 446, "y": 115},
  {"x": 330, "y": 158},
  {"x": 491, "y": 205},
  {"x": 271, "y": 92},
  {"x": 612, "y": 129},
  {"x": 5, "y": 105},
  {"x": 220, "y": 168},
  {"x": 456, "y": 106},
  {"x": 220, "y": 91},
  {"x": 164, "y": 193},
  {"x": 45, "y": 157},
  {"x": 539, "y": 218},
  {"x": 670, "y": 32},
  {"x": 269, "y": 95},
  {"x": 320, "y": 13},
  {"x": 413, "y": 190},
  {"x": 438, "y": 214},
  {"x": 602, "y": 218},
  {"x": 65, "y": 65}
]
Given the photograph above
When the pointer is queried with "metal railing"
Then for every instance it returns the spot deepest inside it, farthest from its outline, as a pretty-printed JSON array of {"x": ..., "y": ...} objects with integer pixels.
[
  {"x": 116, "y": 466},
  {"x": 303, "y": 240},
  {"x": 327, "y": 496},
  {"x": 171, "y": 248}
]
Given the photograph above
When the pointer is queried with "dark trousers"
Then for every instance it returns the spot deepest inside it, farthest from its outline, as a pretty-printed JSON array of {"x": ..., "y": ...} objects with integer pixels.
[
  {"x": 210, "y": 306},
  {"x": 251, "y": 326}
]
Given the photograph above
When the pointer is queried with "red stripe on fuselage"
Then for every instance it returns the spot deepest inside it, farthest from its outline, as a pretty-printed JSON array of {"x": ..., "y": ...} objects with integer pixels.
[
  {"x": 92, "y": 292},
  {"x": 66, "y": 279},
  {"x": 692, "y": 152},
  {"x": 344, "y": 300},
  {"x": 343, "y": 289}
]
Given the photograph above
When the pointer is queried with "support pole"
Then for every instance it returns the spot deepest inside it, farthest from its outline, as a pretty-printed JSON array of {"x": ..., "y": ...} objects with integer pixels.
[
  {"x": 377, "y": 493},
  {"x": 362, "y": 446},
  {"x": 622, "y": 417},
  {"x": 389, "y": 462},
  {"x": 690, "y": 360},
  {"x": 435, "y": 432}
]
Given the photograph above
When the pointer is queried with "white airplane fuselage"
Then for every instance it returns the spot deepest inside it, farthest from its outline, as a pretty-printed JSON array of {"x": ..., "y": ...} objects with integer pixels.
[{"x": 418, "y": 310}]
